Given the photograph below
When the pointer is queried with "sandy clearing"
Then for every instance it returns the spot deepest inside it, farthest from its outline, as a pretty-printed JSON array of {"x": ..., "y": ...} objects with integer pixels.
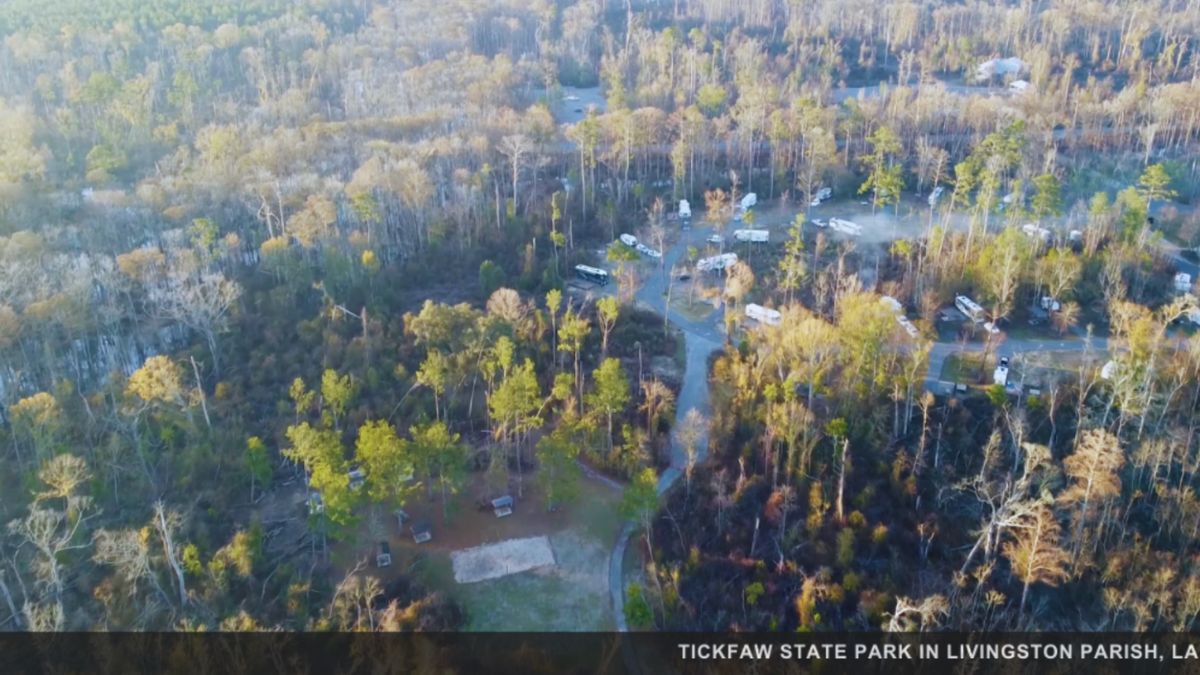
[{"x": 492, "y": 561}]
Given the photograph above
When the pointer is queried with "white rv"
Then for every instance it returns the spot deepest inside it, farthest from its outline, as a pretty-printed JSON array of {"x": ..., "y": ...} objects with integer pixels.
[
  {"x": 970, "y": 308},
  {"x": 685, "y": 209},
  {"x": 757, "y": 236},
  {"x": 592, "y": 274},
  {"x": 848, "y": 227},
  {"x": 716, "y": 262},
  {"x": 892, "y": 303},
  {"x": 649, "y": 252},
  {"x": 1000, "y": 374},
  {"x": 935, "y": 196},
  {"x": 745, "y": 205},
  {"x": 1035, "y": 232},
  {"x": 629, "y": 240},
  {"x": 770, "y": 317},
  {"x": 822, "y": 194},
  {"x": 1183, "y": 282}
]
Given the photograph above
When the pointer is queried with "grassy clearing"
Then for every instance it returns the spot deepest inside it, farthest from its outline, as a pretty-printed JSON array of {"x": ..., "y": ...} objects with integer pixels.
[
  {"x": 695, "y": 311},
  {"x": 963, "y": 367},
  {"x": 571, "y": 596}
]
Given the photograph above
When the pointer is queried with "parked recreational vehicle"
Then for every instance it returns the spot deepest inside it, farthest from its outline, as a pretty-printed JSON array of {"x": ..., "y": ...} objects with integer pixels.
[
  {"x": 970, "y": 308},
  {"x": 592, "y": 274},
  {"x": 758, "y": 236},
  {"x": 629, "y": 240},
  {"x": 685, "y": 209},
  {"x": 1035, "y": 232},
  {"x": 770, "y": 317},
  {"x": 845, "y": 226},
  {"x": 822, "y": 194},
  {"x": 745, "y": 205},
  {"x": 649, "y": 252},
  {"x": 716, "y": 262},
  {"x": 1183, "y": 282},
  {"x": 1000, "y": 374},
  {"x": 892, "y": 303},
  {"x": 935, "y": 196}
]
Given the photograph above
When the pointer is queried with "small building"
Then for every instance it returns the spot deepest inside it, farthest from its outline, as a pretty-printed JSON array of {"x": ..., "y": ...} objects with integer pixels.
[
  {"x": 502, "y": 506},
  {"x": 383, "y": 555}
]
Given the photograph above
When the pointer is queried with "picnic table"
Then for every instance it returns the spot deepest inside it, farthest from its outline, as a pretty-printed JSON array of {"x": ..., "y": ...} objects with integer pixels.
[{"x": 502, "y": 506}]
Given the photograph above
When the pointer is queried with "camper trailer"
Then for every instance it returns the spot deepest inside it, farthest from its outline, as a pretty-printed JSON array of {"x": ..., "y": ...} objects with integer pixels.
[
  {"x": 935, "y": 196},
  {"x": 648, "y": 252},
  {"x": 757, "y": 236},
  {"x": 845, "y": 226},
  {"x": 892, "y": 303},
  {"x": 763, "y": 315},
  {"x": 1035, "y": 232},
  {"x": 592, "y": 274},
  {"x": 685, "y": 209},
  {"x": 970, "y": 308},
  {"x": 822, "y": 194},
  {"x": 1000, "y": 374},
  {"x": 745, "y": 205},
  {"x": 716, "y": 262},
  {"x": 629, "y": 240},
  {"x": 1183, "y": 282}
]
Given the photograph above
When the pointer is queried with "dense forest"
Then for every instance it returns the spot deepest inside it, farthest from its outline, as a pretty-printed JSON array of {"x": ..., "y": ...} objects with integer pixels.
[{"x": 270, "y": 271}]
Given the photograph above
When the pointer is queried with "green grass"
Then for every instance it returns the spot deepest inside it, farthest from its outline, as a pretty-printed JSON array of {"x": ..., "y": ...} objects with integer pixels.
[
  {"x": 961, "y": 367},
  {"x": 572, "y": 596}
]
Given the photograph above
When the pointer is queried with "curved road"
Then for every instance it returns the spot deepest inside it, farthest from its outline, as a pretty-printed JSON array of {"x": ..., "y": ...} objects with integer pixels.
[{"x": 701, "y": 339}]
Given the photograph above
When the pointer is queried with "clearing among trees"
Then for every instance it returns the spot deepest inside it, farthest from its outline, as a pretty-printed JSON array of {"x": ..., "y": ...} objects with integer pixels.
[{"x": 493, "y": 561}]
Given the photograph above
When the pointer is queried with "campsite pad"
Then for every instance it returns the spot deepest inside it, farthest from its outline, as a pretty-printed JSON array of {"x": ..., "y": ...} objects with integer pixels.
[{"x": 493, "y": 561}]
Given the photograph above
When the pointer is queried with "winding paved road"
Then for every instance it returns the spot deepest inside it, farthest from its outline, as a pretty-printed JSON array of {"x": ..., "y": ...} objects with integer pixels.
[{"x": 702, "y": 338}]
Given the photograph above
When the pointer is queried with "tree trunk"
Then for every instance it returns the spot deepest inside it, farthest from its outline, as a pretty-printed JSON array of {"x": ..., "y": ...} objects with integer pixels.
[{"x": 164, "y": 532}]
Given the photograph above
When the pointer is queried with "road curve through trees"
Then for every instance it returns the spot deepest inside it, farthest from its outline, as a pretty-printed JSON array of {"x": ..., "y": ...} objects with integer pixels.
[{"x": 701, "y": 339}]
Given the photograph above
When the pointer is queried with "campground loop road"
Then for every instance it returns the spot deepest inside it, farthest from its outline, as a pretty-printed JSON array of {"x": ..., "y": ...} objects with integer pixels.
[{"x": 703, "y": 337}]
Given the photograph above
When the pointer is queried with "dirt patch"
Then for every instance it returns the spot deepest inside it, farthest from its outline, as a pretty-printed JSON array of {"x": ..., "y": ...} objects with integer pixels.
[{"x": 493, "y": 561}]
